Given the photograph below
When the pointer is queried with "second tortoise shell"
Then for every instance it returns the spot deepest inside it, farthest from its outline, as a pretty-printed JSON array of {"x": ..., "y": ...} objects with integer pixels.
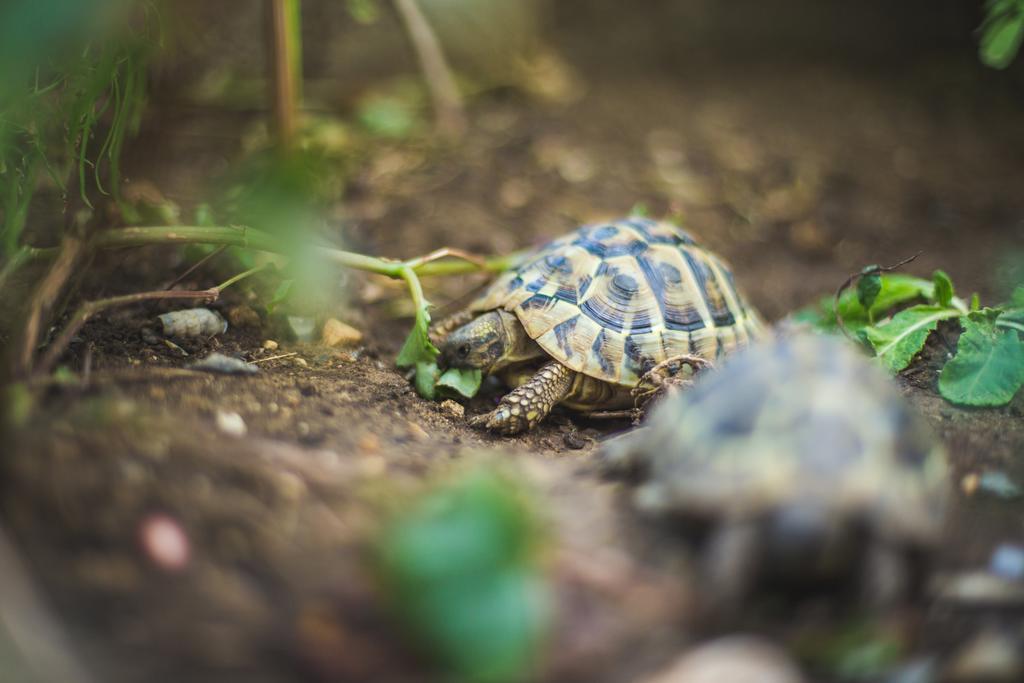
[{"x": 611, "y": 300}]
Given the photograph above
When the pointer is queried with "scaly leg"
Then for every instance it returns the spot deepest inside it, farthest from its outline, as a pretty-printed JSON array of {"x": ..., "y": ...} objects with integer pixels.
[
  {"x": 526, "y": 405},
  {"x": 666, "y": 378}
]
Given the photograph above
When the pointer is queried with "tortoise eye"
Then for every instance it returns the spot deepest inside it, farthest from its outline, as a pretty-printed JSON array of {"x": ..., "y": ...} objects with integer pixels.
[{"x": 463, "y": 351}]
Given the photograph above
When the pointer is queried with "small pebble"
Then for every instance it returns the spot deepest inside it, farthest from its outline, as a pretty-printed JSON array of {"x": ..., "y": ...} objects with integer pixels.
[
  {"x": 977, "y": 588},
  {"x": 1008, "y": 562},
  {"x": 990, "y": 656},
  {"x": 368, "y": 444},
  {"x": 270, "y": 345},
  {"x": 418, "y": 433},
  {"x": 732, "y": 659},
  {"x": 218, "y": 362},
  {"x": 301, "y": 362},
  {"x": 164, "y": 542},
  {"x": 193, "y": 322},
  {"x": 999, "y": 485},
  {"x": 231, "y": 423},
  {"x": 337, "y": 333},
  {"x": 244, "y": 316},
  {"x": 452, "y": 409}
]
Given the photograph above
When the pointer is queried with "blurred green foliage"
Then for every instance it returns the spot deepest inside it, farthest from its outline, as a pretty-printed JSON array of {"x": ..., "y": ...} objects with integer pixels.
[
  {"x": 859, "y": 650},
  {"x": 460, "y": 566},
  {"x": 1001, "y": 32}
]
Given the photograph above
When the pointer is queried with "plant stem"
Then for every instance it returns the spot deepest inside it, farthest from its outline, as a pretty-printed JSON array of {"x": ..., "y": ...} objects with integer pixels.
[
  {"x": 284, "y": 46},
  {"x": 450, "y": 116},
  {"x": 241, "y": 276},
  {"x": 91, "y": 308},
  {"x": 45, "y": 298}
]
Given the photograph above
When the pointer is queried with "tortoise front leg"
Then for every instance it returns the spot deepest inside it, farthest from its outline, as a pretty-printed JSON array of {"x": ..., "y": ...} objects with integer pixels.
[
  {"x": 667, "y": 377},
  {"x": 526, "y": 405}
]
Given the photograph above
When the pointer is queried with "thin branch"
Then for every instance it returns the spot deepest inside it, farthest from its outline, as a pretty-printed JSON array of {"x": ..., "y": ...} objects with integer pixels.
[
  {"x": 91, "y": 308},
  {"x": 448, "y": 110},
  {"x": 277, "y": 357},
  {"x": 854, "y": 278},
  {"x": 196, "y": 265},
  {"x": 44, "y": 298}
]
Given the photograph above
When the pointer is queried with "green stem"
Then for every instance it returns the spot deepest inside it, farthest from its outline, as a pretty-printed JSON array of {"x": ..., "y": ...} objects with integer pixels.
[
  {"x": 241, "y": 276},
  {"x": 250, "y": 238}
]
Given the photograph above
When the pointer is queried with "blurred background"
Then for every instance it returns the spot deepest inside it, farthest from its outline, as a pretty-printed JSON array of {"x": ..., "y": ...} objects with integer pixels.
[{"x": 148, "y": 537}]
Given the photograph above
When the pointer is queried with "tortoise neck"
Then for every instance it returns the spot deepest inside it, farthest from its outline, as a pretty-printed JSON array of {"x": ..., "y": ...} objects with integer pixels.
[{"x": 520, "y": 347}]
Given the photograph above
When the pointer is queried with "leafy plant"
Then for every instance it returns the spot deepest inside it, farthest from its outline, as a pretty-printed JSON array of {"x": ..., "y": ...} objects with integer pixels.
[
  {"x": 1001, "y": 32},
  {"x": 53, "y": 108},
  {"x": 893, "y": 316},
  {"x": 461, "y": 569}
]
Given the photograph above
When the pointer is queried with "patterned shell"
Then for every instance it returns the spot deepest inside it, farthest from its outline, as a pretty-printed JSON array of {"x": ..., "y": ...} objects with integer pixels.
[
  {"x": 800, "y": 418},
  {"x": 611, "y": 300}
]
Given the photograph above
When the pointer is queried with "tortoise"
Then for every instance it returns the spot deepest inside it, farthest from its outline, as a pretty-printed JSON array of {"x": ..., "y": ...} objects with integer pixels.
[
  {"x": 584, "y": 318},
  {"x": 796, "y": 462}
]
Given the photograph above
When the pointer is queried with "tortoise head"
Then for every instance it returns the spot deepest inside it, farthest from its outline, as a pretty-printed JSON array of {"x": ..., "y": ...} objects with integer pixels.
[{"x": 485, "y": 343}]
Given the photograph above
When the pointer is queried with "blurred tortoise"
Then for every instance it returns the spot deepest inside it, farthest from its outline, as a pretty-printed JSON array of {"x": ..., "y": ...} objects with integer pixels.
[
  {"x": 797, "y": 462},
  {"x": 590, "y": 314}
]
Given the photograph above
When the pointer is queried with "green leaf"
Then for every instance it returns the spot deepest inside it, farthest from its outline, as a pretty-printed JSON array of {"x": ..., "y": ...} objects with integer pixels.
[
  {"x": 426, "y": 379},
  {"x": 902, "y": 337},
  {"x": 640, "y": 209},
  {"x": 417, "y": 347},
  {"x": 868, "y": 287},
  {"x": 1001, "y": 40},
  {"x": 895, "y": 289},
  {"x": 988, "y": 368},
  {"x": 943, "y": 288},
  {"x": 975, "y": 302},
  {"x": 461, "y": 569},
  {"x": 280, "y": 294},
  {"x": 463, "y": 382},
  {"x": 1017, "y": 298}
]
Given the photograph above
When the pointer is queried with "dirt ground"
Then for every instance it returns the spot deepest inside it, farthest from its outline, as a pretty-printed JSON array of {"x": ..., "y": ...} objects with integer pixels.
[{"x": 797, "y": 176}]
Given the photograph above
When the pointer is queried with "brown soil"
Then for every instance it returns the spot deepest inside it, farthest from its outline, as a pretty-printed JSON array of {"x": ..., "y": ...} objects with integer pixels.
[{"x": 798, "y": 176}]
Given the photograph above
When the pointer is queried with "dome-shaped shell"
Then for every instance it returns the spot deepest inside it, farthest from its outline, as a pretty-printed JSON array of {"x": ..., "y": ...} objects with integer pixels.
[
  {"x": 803, "y": 418},
  {"x": 611, "y": 300}
]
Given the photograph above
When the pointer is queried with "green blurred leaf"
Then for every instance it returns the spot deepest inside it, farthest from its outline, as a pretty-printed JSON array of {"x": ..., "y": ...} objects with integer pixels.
[
  {"x": 461, "y": 569},
  {"x": 640, "y": 210},
  {"x": 1001, "y": 39},
  {"x": 389, "y": 117},
  {"x": 1017, "y": 299},
  {"x": 868, "y": 287},
  {"x": 943, "y": 288},
  {"x": 363, "y": 11},
  {"x": 280, "y": 295},
  {"x": 902, "y": 337},
  {"x": 463, "y": 382},
  {"x": 988, "y": 368}
]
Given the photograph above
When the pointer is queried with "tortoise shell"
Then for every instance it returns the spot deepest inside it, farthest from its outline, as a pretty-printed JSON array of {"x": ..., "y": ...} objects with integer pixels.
[
  {"x": 799, "y": 418},
  {"x": 611, "y": 300}
]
